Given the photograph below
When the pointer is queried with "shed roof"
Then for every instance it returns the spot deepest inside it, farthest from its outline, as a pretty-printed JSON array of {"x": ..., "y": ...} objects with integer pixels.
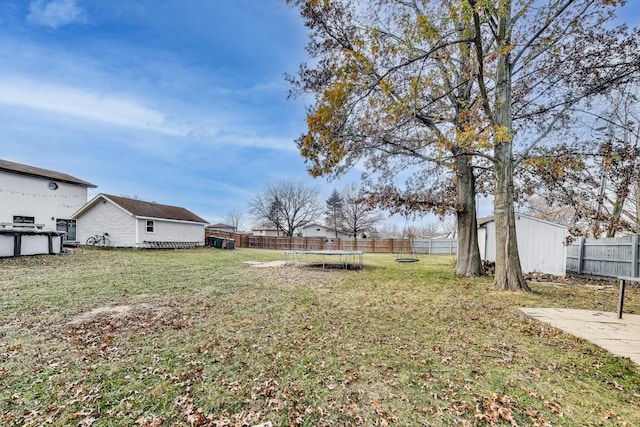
[
  {"x": 482, "y": 222},
  {"x": 140, "y": 208},
  {"x": 27, "y": 170}
]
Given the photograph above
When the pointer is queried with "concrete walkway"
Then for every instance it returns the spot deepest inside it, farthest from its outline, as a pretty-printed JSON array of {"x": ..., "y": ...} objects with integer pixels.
[{"x": 619, "y": 336}]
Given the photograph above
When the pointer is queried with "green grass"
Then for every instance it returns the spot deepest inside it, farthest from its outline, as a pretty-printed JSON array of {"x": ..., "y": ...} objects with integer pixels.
[{"x": 196, "y": 337}]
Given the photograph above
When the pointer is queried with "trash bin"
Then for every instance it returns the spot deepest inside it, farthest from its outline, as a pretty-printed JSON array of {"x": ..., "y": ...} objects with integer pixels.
[
  {"x": 218, "y": 242},
  {"x": 230, "y": 244}
]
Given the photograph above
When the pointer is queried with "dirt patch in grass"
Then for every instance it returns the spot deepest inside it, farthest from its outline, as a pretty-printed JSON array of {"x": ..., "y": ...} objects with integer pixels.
[
  {"x": 270, "y": 264},
  {"x": 113, "y": 311},
  {"x": 295, "y": 276}
]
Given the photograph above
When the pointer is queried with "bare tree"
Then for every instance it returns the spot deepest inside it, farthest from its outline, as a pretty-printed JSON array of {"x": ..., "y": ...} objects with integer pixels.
[
  {"x": 133, "y": 196},
  {"x": 590, "y": 185},
  {"x": 390, "y": 230},
  {"x": 235, "y": 217},
  {"x": 430, "y": 229},
  {"x": 433, "y": 229},
  {"x": 287, "y": 206},
  {"x": 358, "y": 216}
]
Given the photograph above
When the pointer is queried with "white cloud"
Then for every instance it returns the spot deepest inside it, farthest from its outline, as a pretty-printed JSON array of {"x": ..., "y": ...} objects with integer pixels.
[
  {"x": 82, "y": 103},
  {"x": 124, "y": 111},
  {"x": 55, "y": 13}
]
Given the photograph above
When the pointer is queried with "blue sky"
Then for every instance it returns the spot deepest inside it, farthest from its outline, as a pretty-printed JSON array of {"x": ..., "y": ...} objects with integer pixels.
[{"x": 179, "y": 102}]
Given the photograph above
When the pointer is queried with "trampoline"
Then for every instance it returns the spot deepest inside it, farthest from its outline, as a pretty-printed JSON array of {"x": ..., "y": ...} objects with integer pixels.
[{"x": 327, "y": 258}]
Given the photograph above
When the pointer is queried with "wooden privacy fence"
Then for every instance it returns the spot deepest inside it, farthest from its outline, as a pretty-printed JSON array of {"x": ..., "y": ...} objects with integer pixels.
[
  {"x": 400, "y": 246},
  {"x": 612, "y": 257}
]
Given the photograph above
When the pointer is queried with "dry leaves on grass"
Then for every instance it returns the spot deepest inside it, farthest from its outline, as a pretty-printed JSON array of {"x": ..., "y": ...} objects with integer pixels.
[
  {"x": 197, "y": 417},
  {"x": 497, "y": 408},
  {"x": 99, "y": 329}
]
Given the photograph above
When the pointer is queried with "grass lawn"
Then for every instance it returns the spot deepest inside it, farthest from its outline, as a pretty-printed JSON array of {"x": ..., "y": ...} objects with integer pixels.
[{"x": 198, "y": 338}]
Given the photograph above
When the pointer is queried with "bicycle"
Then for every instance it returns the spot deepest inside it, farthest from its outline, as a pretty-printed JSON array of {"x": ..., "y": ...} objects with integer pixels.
[{"x": 99, "y": 240}]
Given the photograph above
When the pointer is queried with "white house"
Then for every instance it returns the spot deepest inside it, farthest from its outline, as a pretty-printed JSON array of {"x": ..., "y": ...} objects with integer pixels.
[
  {"x": 42, "y": 197},
  {"x": 266, "y": 232},
  {"x": 541, "y": 244},
  {"x": 319, "y": 230},
  {"x": 139, "y": 224}
]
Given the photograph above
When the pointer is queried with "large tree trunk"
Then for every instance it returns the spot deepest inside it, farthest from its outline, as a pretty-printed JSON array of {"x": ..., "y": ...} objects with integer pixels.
[
  {"x": 508, "y": 270},
  {"x": 469, "y": 262},
  {"x": 509, "y": 275}
]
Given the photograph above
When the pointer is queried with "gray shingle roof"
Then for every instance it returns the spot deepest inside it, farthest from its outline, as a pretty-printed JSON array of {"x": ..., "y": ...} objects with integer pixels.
[{"x": 21, "y": 169}]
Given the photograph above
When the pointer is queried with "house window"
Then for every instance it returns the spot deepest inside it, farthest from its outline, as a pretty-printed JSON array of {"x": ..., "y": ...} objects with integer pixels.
[
  {"x": 19, "y": 219},
  {"x": 150, "y": 226}
]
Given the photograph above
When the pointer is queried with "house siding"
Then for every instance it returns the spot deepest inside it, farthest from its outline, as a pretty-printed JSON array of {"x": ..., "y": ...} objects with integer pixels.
[
  {"x": 482, "y": 237},
  {"x": 106, "y": 217},
  {"x": 318, "y": 230},
  {"x": 266, "y": 232},
  {"x": 170, "y": 231},
  {"x": 22, "y": 195}
]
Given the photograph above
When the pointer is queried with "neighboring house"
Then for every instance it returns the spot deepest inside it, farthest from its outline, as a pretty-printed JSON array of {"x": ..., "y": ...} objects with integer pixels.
[
  {"x": 319, "y": 230},
  {"x": 266, "y": 232},
  {"x": 139, "y": 224},
  {"x": 541, "y": 244},
  {"x": 43, "y": 198},
  {"x": 221, "y": 227}
]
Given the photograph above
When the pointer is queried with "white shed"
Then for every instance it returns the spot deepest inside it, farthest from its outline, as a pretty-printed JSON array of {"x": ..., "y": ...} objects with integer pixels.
[
  {"x": 541, "y": 244},
  {"x": 139, "y": 224}
]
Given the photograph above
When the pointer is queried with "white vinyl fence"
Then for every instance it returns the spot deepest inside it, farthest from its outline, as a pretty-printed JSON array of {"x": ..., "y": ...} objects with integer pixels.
[{"x": 435, "y": 246}]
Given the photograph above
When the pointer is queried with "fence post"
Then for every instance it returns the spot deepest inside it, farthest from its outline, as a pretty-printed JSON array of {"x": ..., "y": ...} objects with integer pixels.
[
  {"x": 634, "y": 255},
  {"x": 580, "y": 253}
]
